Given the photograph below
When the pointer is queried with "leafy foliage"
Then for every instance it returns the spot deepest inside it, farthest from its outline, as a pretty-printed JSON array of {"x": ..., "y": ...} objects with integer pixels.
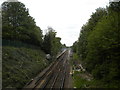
[
  {"x": 19, "y": 25},
  {"x": 86, "y": 31},
  {"x": 74, "y": 47},
  {"x": 103, "y": 46},
  {"x": 99, "y": 45},
  {"x": 51, "y": 43}
]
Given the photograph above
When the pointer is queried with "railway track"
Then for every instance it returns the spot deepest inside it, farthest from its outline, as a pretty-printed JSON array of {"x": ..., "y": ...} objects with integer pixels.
[
  {"x": 54, "y": 76},
  {"x": 59, "y": 81}
]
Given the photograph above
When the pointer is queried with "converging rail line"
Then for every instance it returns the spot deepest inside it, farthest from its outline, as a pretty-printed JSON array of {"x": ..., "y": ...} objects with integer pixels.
[{"x": 54, "y": 76}]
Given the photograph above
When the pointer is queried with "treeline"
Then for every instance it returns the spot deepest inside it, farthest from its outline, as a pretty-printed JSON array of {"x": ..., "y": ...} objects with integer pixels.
[
  {"x": 18, "y": 25},
  {"x": 98, "y": 45}
]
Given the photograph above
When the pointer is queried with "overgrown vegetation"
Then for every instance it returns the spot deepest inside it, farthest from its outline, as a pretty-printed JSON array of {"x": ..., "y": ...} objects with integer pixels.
[
  {"x": 81, "y": 80},
  {"x": 98, "y": 45},
  {"x": 20, "y": 64}
]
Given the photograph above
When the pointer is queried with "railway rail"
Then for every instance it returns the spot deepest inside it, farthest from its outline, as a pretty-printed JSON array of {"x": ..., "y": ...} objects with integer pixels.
[{"x": 54, "y": 76}]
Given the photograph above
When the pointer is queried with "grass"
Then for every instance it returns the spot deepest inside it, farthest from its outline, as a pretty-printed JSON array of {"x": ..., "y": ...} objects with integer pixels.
[{"x": 20, "y": 64}]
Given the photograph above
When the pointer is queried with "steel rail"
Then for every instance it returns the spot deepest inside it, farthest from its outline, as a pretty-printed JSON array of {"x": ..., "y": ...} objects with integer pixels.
[{"x": 51, "y": 68}]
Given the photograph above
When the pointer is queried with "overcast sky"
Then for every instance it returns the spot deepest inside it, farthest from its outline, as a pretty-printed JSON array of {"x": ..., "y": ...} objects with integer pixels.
[{"x": 65, "y": 16}]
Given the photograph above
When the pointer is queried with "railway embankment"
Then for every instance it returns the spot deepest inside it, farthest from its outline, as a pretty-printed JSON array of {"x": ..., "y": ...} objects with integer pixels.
[{"x": 20, "y": 63}]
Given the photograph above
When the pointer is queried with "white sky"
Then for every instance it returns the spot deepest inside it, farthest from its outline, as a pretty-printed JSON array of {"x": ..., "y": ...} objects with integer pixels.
[{"x": 66, "y": 17}]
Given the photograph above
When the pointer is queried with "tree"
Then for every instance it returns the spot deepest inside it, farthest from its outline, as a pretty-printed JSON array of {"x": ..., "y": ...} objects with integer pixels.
[
  {"x": 86, "y": 31},
  {"x": 99, "y": 44},
  {"x": 75, "y": 47},
  {"x": 103, "y": 47},
  {"x": 18, "y": 24},
  {"x": 51, "y": 43}
]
